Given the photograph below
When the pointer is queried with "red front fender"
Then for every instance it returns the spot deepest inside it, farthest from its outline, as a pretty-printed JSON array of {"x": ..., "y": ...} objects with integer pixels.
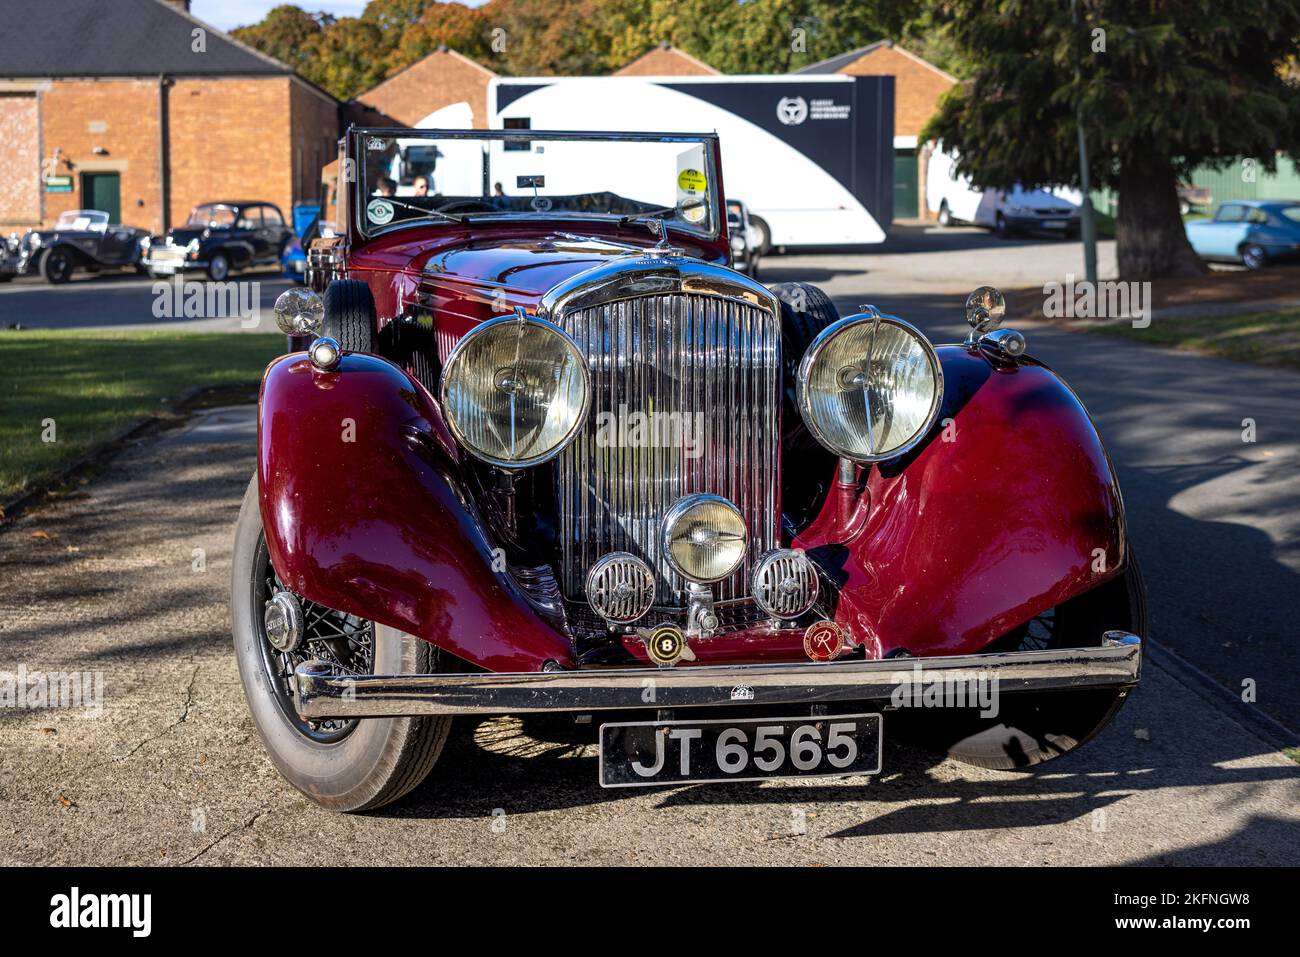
[
  {"x": 363, "y": 513},
  {"x": 1009, "y": 508}
]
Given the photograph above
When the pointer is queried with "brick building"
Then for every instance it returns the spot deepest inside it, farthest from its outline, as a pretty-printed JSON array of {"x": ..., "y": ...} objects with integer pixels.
[
  {"x": 666, "y": 60},
  {"x": 445, "y": 78},
  {"x": 442, "y": 78},
  {"x": 136, "y": 108},
  {"x": 918, "y": 85}
]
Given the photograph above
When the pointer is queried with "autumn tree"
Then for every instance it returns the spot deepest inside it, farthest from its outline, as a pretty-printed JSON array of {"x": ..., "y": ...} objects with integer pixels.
[
  {"x": 412, "y": 29},
  {"x": 570, "y": 37},
  {"x": 1164, "y": 86},
  {"x": 288, "y": 34}
]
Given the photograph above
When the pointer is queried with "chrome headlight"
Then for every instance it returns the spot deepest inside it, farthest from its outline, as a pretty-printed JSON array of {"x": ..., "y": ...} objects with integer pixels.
[
  {"x": 515, "y": 391},
  {"x": 33, "y": 240},
  {"x": 192, "y": 246},
  {"x": 704, "y": 537},
  {"x": 870, "y": 387}
]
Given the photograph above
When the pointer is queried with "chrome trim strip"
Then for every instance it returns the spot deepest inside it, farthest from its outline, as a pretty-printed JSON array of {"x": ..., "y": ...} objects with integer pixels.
[{"x": 318, "y": 694}]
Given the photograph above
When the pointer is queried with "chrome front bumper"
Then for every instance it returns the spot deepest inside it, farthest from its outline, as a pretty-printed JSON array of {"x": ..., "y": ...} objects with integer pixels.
[{"x": 319, "y": 694}]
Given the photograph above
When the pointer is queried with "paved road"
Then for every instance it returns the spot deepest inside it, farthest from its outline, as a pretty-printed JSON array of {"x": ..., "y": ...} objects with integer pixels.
[
  {"x": 128, "y": 301},
  {"x": 173, "y": 771}
]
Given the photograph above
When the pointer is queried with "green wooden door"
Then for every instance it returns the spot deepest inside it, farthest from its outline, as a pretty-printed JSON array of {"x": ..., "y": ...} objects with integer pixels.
[
  {"x": 905, "y": 185},
  {"x": 103, "y": 191}
]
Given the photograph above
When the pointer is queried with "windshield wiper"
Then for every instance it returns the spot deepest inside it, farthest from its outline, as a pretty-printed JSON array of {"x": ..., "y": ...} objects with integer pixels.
[{"x": 451, "y": 217}]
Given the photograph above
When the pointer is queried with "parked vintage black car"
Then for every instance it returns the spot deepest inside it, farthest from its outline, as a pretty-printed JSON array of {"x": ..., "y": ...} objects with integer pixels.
[
  {"x": 81, "y": 239},
  {"x": 9, "y": 255},
  {"x": 220, "y": 237}
]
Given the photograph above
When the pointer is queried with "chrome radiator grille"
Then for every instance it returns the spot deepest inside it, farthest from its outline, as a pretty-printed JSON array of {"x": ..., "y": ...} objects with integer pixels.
[{"x": 702, "y": 371}]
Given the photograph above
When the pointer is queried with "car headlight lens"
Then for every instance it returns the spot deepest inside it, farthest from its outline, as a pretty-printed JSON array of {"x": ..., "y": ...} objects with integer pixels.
[
  {"x": 515, "y": 390},
  {"x": 869, "y": 387},
  {"x": 192, "y": 246},
  {"x": 704, "y": 537},
  {"x": 34, "y": 240}
]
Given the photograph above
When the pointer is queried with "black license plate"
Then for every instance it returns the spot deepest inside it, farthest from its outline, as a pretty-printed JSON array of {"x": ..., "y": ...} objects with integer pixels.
[{"x": 644, "y": 753}]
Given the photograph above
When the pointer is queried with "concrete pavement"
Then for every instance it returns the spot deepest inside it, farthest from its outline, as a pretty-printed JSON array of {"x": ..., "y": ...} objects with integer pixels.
[{"x": 173, "y": 771}]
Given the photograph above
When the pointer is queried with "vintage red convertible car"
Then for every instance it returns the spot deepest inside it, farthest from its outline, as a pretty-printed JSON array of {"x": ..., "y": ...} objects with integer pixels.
[{"x": 536, "y": 448}]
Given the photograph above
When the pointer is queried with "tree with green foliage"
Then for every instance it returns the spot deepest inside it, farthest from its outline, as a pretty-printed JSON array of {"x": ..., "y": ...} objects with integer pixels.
[
  {"x": 347, "y": 55},
  {"x": 1164, "y": 86},
  {"x": 288, "y": 34}
]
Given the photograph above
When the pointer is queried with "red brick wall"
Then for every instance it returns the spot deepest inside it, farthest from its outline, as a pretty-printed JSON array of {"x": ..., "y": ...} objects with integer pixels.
[
  {"x": 124, "y": 117},
  {"x": 666, "y": 61},
  {"x": 229, "y": 139},
  {"x": 314, "y": 124},
  {"x": 440, "y": 79},
  {"x": 20, "y": 189},
  {"x": 917, "y": 86}
]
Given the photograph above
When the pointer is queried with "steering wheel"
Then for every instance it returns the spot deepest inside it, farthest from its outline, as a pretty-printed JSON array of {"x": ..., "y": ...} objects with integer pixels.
[{"x": 468, "y": 206}]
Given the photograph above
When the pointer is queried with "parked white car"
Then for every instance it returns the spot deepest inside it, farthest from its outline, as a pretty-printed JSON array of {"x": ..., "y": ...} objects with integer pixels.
[{"x": 955, "y": 200}]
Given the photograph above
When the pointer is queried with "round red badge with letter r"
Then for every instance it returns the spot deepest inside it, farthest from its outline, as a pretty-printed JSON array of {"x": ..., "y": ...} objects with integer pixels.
[{"x": 823, "y": 641}]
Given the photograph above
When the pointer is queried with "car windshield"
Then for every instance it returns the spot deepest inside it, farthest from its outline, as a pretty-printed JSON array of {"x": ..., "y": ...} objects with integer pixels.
[
  {"x": 441, "y": 177},
  {"x": 82, "y": 219},
  {"x": 212, "y": 215}
]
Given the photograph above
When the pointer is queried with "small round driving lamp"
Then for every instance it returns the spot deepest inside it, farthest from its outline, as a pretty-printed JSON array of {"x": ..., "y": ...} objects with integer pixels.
[
  {"x": 324, "y": 353},
  {"x": 515, "y": 391},
  {"x": 299, "y": 312},
  {"x": 870, "y": 387},
  {"x": 704, "y": 538}
]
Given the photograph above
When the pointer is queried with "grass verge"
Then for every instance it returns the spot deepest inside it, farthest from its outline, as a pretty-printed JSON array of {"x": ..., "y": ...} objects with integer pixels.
[
  {"x": 83, "y": 388},
  {"x": 1265, "y": 338}
]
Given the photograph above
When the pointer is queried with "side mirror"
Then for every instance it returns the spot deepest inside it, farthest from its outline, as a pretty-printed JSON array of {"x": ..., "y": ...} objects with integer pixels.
[
  {"x": 985, "y": 309},
  {"x": 300, "y": 312}
]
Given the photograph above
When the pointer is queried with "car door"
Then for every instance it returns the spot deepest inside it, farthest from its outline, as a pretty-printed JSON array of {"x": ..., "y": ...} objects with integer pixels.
[
  {"x": 1269, "y": 231},
  {"x": 119, "y": 246},
  {"x": 1221, "y": 236},
  {"x": 274, "y": 231}
]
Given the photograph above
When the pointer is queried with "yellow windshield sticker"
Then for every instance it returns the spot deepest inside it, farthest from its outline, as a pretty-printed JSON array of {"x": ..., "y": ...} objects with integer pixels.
[{"x": 691, "y": 181}]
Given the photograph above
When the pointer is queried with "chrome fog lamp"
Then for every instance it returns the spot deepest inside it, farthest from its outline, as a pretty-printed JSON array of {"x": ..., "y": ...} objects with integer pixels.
[
  {"x": 299, "y": 312},
  {"x": 324, "y": 354},
  {"x": 620, "y": 587},
  {"x": 704, "y": 537},
  {"x": 870, "y": 386},
  {"x": 515, "y": 390},
  {"x": 784, "y": 583}
]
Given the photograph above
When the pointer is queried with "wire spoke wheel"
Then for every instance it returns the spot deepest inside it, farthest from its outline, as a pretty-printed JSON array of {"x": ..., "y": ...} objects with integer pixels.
[{"x": 344, "y": 641}]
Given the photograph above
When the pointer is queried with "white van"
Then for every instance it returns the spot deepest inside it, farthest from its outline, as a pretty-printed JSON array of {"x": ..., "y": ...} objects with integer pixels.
[
  {"x": 812, "y": 156},
  {"x": 955, "y": 200}
]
